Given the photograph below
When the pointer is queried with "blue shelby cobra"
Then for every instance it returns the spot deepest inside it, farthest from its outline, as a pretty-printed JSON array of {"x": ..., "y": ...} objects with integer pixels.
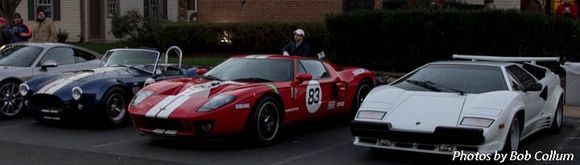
[{"x": 100, "y": 95}]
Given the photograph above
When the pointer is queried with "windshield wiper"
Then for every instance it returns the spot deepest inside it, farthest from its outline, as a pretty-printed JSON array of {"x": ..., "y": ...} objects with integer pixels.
[
  {"x": 253, "y": 79},
  {"x": 119, "y": 65},
  {"x": 434, "y": 86},
  {"x": 424, "y": 85},
  {"x": 210, "y": 77}
]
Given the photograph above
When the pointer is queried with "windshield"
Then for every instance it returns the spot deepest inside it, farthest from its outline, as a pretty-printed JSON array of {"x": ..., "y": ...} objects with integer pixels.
[
  {"x": 255, "y": 70},
  {"x": 19, "y": 55},
  {"x": 454, "y": 78},
  {"x": 129, "y": 58}
]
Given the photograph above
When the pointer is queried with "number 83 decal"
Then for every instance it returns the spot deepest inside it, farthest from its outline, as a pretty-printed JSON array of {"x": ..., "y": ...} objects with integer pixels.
[{"x": 313, "y": 96}]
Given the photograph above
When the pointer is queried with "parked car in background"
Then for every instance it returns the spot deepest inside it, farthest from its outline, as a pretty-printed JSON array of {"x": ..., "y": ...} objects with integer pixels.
[{"x": 22, "y": 61}]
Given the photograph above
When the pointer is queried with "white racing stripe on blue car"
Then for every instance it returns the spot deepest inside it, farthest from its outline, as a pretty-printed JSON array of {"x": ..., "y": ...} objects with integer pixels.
[{"x": 56, "y": 85}]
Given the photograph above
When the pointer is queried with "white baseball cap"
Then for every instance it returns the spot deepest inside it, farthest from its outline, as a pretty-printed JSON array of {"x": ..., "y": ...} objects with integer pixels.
[{"x": 299, "y": 32}]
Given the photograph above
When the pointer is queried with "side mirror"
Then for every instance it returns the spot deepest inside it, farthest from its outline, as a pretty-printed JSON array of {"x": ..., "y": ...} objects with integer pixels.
[
  {"x": 48, "y": 64},
  {"x": 200, "y": 71},
  {"x": 148, "y": 81},
  {"x": 534, "y": 87},
  {"x": 321, "y": 56},
  {"x": 304, "y": 77}
]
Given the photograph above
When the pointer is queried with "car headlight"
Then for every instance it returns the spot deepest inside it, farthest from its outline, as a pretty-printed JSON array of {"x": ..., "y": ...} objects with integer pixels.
[
  {"x": 23, "y": 89},
  {"x": 140, "y": 96},
  {"x": 216, "y": 102},
  {"x": 478, "y": 122},
  {"x": 377, "y": 115},
  {"x": 77, "y": 92}
]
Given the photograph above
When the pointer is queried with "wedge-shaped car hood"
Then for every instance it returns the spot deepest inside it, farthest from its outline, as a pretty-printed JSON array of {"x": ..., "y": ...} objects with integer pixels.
[{"x": 424, "y": 111}]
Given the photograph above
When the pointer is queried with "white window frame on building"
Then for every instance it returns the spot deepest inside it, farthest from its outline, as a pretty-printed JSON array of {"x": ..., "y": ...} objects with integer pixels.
[
  {"x": 112, "y": 8},
  {"x": 155, "y": 7},
  {"x": 50, "y": 7},
  {"x": 187, "y": 10}
]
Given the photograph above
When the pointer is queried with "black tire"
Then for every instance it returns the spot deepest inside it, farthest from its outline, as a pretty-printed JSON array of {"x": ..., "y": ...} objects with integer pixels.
[
  {"x": 513, "y": 138},
  {"x": 558, "y": 118},
  {"x": 114, "y": 107},
  {"x": 265, "y": 121},
  {"x": 11, "y": 102},
  {"x": 363, "y": 89}
]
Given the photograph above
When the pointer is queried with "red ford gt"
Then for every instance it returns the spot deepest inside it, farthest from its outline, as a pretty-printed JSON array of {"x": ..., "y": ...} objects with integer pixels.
[{"x": 254, "y": 94}]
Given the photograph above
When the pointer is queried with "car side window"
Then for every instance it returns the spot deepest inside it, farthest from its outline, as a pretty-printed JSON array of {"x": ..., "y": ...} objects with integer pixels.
[
  {"x": 82, "y": 56},
  {"x": 536, "y": 71},
  {"x": 315, "y": 68},
  {"x": 61, "y": 56},
  {"x": 521, "y": 75},
  {"x": 301, "y": 68},
  {"x": 514, "y": 83}
]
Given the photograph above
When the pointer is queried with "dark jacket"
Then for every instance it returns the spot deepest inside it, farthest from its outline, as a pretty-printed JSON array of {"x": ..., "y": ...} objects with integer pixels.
[
  {"x": 302, "y": 49},
  {"x": 5, "y": 35},
  {"x": 21, "y": 33}
]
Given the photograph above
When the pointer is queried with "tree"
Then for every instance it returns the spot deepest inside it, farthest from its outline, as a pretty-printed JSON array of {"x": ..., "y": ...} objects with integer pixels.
[{"x": 8, "y": 8}]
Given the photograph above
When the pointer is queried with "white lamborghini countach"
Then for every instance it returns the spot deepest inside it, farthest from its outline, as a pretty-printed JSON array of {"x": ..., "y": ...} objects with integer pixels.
[{"x": 483, "y": 105}]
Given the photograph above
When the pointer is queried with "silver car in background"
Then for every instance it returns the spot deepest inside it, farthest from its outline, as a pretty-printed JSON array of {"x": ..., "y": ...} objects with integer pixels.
[{"x": 22, "y": 61}]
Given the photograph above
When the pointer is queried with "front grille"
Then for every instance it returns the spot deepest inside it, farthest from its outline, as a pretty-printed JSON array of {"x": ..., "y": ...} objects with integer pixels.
[
  {"x": 165, "y": 124},
  {"x": 441, "y": 135},
  {"x": 49, "y": 103},
  {"x": 465, "y": 148},
  {"x": 404, "y": 145},
  {"x": 425, "y": 147},
  {"x": 368, "y": 140}
]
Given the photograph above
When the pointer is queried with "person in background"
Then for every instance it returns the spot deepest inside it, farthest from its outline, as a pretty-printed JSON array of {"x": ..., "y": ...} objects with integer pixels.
[
  {"x": 5, "y": 36},
  {"x": 567, "y": 9},
  {"x": 297, "y": 46},
  {"x": 20, "y": 31},
  {"x": 44, "y": 31}
]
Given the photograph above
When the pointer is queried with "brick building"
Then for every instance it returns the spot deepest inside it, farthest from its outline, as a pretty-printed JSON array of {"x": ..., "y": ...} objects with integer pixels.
[
  {"x": 90, "y": 20},
  {"x": 276, "y": 10}
]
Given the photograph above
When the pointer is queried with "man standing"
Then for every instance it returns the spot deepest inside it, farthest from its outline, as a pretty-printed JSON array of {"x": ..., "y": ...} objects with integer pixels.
[
  {"x": 297, "y": 46},
  {"x": 5, "y": 36},
  {"x": 20, "y": 31},
  {"x": 44, "y": 31}
]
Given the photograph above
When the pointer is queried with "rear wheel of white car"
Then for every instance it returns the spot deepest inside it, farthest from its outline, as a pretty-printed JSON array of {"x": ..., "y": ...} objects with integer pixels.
[
  {"x": 362, "y": 91},
  {"x": 558, "y": 118},
  {"x": 11, "y": 102},
  {"x": 115, "y": 106},
  {"x": 265, "y": 121},
  {"x": 513, "y": 138}
]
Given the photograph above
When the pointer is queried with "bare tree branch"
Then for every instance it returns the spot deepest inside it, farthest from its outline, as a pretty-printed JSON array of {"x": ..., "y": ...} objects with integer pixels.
[{"x": 8, "y": 8}]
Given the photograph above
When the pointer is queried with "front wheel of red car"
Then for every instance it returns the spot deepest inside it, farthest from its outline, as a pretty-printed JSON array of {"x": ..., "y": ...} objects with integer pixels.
[{"x": 265, "y": 121}]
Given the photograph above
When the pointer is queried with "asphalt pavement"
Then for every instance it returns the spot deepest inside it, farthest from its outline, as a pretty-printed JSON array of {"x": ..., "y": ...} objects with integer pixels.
[{"x": 24, "y": 141}]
